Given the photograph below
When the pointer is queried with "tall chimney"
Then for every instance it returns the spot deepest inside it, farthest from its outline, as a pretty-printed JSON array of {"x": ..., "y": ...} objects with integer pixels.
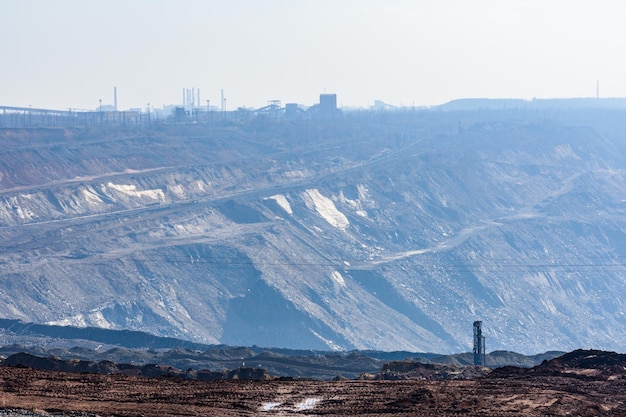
[{"x": 115, "y": 98}]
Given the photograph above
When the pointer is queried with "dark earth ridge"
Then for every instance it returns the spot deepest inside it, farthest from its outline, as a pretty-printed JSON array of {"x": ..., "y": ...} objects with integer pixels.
[{"x": 138, "y": 348}]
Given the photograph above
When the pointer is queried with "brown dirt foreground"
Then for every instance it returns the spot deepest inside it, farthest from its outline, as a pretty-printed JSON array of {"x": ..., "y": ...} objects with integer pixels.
[{"x": 62, "y": 393}]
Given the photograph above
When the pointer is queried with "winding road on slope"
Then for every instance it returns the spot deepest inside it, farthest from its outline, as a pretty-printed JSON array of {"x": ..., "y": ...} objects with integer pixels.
[{"x": 525, "y": 213}]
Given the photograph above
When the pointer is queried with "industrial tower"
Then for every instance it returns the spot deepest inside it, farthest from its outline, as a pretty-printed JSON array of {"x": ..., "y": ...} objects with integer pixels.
[{"x": 479, "y": 344}]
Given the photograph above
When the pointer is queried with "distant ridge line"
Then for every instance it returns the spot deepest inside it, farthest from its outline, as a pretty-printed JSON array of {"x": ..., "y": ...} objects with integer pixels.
[
  {"x": 535, "y": 103},
  {"x": 126, "y": 338}
]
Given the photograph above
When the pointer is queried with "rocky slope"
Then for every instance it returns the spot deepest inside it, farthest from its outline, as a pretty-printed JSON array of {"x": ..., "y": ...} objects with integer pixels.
[{"x": 390, "y": 232}]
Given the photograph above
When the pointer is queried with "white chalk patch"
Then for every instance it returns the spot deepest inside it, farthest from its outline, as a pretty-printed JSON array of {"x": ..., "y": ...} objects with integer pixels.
[
  {"x": 131, "y": 190},
  {"x": 326, "y": 208},
  {"x": 281, "y": 200},
  {"x": 336, "y": 276}
]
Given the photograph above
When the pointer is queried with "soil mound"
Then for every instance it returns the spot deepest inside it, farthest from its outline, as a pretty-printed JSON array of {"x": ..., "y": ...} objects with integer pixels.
[
  {"x": 592, "y": 364},
  {"x": 402, "y": 370},
  {"x": 52, "y": 363}
]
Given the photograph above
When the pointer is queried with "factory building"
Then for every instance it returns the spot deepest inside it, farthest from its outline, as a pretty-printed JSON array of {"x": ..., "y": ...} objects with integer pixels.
[{"x": 328, "y": 105}]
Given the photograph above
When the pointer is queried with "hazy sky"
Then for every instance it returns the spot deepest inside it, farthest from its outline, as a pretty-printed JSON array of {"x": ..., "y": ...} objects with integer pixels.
[{"x": 71, "y": 53}]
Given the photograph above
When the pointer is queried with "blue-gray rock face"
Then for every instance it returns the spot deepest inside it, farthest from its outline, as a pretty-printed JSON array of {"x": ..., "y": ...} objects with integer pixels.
[{"x": 389, "y": 232}]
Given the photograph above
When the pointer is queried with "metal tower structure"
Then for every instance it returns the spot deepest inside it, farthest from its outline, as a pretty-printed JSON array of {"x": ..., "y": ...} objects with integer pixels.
[{"x": 479, "y": 344}]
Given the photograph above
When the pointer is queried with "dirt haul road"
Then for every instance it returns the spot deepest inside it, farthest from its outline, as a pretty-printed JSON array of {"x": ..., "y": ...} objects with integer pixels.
[{"x": 60, "y": 393}]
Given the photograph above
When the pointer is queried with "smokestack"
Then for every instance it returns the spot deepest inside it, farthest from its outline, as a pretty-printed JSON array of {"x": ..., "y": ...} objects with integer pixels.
[
  {"x": 222, "y": 99},
  {"x": 115, "y": 98},
  {"x": 198, "y": 98}
]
